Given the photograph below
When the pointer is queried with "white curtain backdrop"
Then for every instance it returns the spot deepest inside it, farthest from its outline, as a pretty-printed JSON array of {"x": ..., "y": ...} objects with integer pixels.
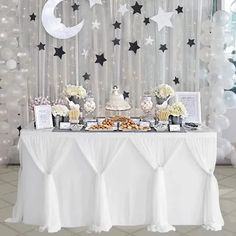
[{"x": 133, "y": 73}]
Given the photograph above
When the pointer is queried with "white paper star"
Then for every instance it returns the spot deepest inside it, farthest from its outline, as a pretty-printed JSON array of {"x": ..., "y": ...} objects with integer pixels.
[
  {"x": 96, "y": 25},
  {"x": 149, "y": 41},
  {"x": 123, "y": 9},
  {"x": 84, "y": 53},
  {"x": 163, "y": 19},
  {"x": 93, "y": 2}
]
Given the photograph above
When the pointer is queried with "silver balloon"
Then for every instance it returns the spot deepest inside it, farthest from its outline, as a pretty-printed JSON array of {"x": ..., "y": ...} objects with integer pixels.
[{"x": 230, "y": 99}]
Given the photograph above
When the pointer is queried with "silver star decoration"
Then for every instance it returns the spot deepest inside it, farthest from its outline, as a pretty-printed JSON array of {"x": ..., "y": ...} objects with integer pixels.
[
  {"x": 163, "y": 19},
  {"x": 96, "y": 25},
  {"x": 93, "y": 2},
  {"x": 149, "y": 41},
  {"x": 123, "y": 9},
  {"x": 84, "y": 53}
]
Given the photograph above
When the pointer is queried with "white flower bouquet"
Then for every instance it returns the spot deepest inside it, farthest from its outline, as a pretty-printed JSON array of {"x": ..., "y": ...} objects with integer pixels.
[
  {"x": 75, "y": 91},
  {"x": 60, "y": 110},
  {"x": 164, "y": 91},
  {"x": 178, "y": 110}
]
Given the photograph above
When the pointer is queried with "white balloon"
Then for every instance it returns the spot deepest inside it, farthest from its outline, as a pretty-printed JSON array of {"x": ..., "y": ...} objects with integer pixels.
[
  {"x": 205, "y": 39},
  {"x": 6, "y": 53},
  {"x": 222, "y": 122},
  {"x": 230, "y": 99},
  {"x": 205, "y": 54},
  {"x": 221, "y": 18},
  {"x": 4, "y": 127},
  {"x": 228, "y": 83},
  {"x": 11, "y": 64},
  {"x": 217, "y": 90},
  {"x": 228, "y": 69},
  {"x": 206, "y": 26},
  {"x": 229, "y": 39},
  {"x": 215, "y": 80}
]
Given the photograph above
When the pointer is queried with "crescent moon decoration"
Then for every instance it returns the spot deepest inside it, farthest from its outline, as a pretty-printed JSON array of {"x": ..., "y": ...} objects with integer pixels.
[{"x": 53, "y": 25}]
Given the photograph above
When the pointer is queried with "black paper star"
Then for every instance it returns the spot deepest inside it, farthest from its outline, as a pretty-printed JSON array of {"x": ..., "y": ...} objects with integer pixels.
[
  {"x": 86, "y": 76},
  {"x": 146, "y": 20},
  {"x": 163, "y": 47},
  {"x": 191, "y": 42},
  {"x": 32, "y": 17},
  {"x": 59, "y": 52},
  {"x": 137, "y": 8},
  {"x": 41, "y": 46},
  {"x": 176, "y": 80},
  {"x": 75, "y": 7},
  {"x": 134, "y": 47},
  {"x": 100, "y": 59},
  {"x": 117, "y": 25},
  {"x": 179, "y": 9},
  {"x": 126, "y": 94},
  {"x": 19, "y": 129},
  {"x": 116, "y": 41}
]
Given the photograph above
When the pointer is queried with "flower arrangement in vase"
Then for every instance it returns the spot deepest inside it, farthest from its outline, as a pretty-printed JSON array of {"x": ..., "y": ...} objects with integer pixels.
[
  {"x": 177, "y": 112},
  {"x": 75, "y": 93},
  {"x": 163, "y": 93},
  {"x": 60, "y": 113}
]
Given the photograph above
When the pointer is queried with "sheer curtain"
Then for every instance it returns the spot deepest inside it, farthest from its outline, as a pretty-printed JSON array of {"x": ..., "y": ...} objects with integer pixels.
[{"x": 133, "y": 73}]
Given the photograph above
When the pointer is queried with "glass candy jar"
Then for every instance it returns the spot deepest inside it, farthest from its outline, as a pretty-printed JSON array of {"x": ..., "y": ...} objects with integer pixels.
[
  {"x": 89, "y": 107},
  {"x": 147, "y": 105}
]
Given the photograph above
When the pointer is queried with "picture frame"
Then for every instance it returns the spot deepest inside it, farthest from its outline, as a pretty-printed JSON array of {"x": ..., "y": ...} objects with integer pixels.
[
  {"x": 192, "y": 102},
  {"x": 43, "y": 117}
]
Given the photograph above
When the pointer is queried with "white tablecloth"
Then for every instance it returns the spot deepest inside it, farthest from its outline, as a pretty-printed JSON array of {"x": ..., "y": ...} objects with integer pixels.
[{"x": 104, "y": 179}]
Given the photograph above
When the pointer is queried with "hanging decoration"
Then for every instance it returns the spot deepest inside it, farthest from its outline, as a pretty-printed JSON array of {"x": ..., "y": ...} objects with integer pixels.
[
  {"x": 163, "y": 19},
  {"x": 94, "y": 2},
  {"x": 123, "y": 9},
  {"x": 134, "y": 46},
  {"x": 59, "y": 52},
  {"x": 53, "y": 25}
]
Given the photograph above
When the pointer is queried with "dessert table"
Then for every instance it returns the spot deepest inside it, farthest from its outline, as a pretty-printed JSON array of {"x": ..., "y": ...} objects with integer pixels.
[{"x": 102, "y": 179}]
